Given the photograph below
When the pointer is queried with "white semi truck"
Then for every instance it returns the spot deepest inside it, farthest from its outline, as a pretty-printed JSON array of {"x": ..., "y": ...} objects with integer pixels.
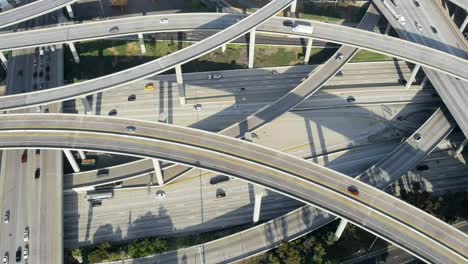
[
  {"x": 401, "y": 19},
  {"x": 302, "y": 29}
]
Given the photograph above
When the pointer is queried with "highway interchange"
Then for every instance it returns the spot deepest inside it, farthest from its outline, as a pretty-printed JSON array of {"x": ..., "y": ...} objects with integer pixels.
[{"x": 216, "y": 153}]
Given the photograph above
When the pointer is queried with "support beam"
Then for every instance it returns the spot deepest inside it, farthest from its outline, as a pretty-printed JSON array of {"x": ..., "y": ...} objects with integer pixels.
[
  {"x": 142, "y": 43},
  {"x": 158, "y": 172},
  {"x": 387, "y": 29},
  {"x": 340, "y": 229},
  {"x": 308, "y": 50},
  {"x": 4, "y": 60},
  {"x": 413, "y": 75},
  {"x": 293, "y": 8},
  {"x": 82, "y": 154},
  {"x": 251, "y": 48},
  {"x": 70, "y": 11},
  {"x": 259, "y": 192},
  {"x": 463, "y": 25},
  {"x": 180, "y": 84},
  {"x": 460, "y": 148},
  {"x": 87, "y": 107},
  {"x": 424, "y": 81},
  {"x": 454, "y": 11},
  {"x": 71, "y": 160},
  {"x": 73, "y": 51}
]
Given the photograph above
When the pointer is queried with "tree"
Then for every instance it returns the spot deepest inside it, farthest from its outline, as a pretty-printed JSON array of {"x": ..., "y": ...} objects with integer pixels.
[
  {"x": 100, "y": 253},
  {"x": 77, "y": 254}
]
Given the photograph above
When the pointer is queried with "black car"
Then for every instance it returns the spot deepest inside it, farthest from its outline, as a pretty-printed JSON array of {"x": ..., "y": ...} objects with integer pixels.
[
  {"x": 113, "y": 112},
  {"x": 350, "y": 99},
  {"x": 220, "y": 193},
  {"x": 434, "y": 30},
  {"x": 219, "y": 179},
  {"x": 288, "y": 23},
  {"x": 37, "y": 173},
  {"x": 131, "y": 97},
  {"x": 103, "y": 173},
  {"x": 18, "y": 254},
  {"x": 114, "y": 29}
]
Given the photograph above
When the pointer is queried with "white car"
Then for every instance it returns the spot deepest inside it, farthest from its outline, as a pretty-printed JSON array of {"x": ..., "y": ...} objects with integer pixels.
[
  {"x": 160, "y": 194},
  {"x": 214, "y": 76},
  {"x": 197, "y": 107},
  {"x": 339, "y": 57},
  {"x": 418, "y": 26},
  {"x": 5, "y": 258},
  {"x": 164, "y": 21},
  {"x": 26, "y": 234},
  {"x": 26, "y": 252}
]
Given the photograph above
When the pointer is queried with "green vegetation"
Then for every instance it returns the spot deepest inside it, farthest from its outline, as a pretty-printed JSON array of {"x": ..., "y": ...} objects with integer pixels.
[{"x": 367, "y": 56}]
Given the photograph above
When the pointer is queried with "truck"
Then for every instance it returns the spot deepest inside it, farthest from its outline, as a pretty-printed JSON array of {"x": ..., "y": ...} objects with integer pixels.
[
  {"x": 401, "y": 19},
  {"x": 302, "y": 28},
  {"x": 99, "y": 195},
  {"x": 88, "y": 162}
]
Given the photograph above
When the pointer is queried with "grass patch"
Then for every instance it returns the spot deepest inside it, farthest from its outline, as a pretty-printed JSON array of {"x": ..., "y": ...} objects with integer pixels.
[{"x": 368, "y": 56}]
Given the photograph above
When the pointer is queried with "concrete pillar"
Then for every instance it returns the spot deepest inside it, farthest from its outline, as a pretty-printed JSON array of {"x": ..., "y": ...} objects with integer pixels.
[
  {"x": 70, "y": 11},
  {"x": 3, "y": 59},
  {"x": 82, "y": 154},
  {"x": 87, "y": 107},
  {"x": 223, "y": 48},
  {"x": 72, "y": 160},
  {"x": 259, "y": 192},
  {"x": 454, "y": 11},
  {"x": 251, "y": 48},
  {"x": 158, "y": 172},
  {"x": 293, "y": 7},
  {"x": 142, "y": 43},
  {"x": 460, "y": 148},
  {"x": 308, "y": 49},
  {"x": 180, "y": 84},
  {"x": 340, "y": 229},
  {"x": 73, "y": 51},
  {"x": 387, "y": 29},
  {"x": 413, "y": 75},
  {"x": 424, "y": 81},
  {"x": 463, "y": 25}
]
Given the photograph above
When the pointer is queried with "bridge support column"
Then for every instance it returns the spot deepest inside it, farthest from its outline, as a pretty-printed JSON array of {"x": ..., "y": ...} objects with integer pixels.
[
  {"x": 142, "y": 43},
  {"x": 424, "y": 81},
  {"x": 387, "y": 29},
  {"x": 251, "y": 48},
  {"x": 223, "y": 48},
  {"x": 259, "y": 192},
  {"x": 73, "y": 51},
  {"x": 308, "y": 50},
  {"x": 87, "y": 107},
  {"x": 82, "y": 154},
  {"x": 340, "y": 229},
  {"x": 70, "y": 11},
  {"x": 293, "y": 7},
  {"x": 413, "y": 75},
  {"x": 71, "y": 160},
  {"x": 460, "y": 148},
  {"x": 180, "y": 84},
  {"x": 158, "y": 172},
  {"x": 3, "y": 59},
  {"x": 464, "y": 24}
]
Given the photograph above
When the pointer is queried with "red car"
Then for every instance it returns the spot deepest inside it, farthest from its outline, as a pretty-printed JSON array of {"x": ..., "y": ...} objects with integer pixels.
[
  {"x": 353, "y": 190},
  {"x": 24, "y": 157}
]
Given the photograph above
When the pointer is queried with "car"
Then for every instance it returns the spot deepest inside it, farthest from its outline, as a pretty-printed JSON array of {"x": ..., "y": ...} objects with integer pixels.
[
  {"x": 6, "y": 217},
  {"x": 350, "y": 99},
  {"x": 26, "y": 252},
  {"x": 238, "y": 106},
  {"x": 37, "y": 173},
  {"x": 47, "y": 68},
  {"x": 95, "y": 203},
  {"x": 24, "y": 156},
  {"x": 422, "y": 167},
  {"x": 163, "y": 21},
  {"x": 339, "y": 74},
  {"x": 339, "y": 57},
  {"x": 34, "y": 87},
  {"x": 41, "y": 73},
  {"x": 26, "y": 234},
  {"x": 274, "y": 72},
  {"x": 242, "y": 89},
  {"x": 288, "y": 23},
  {"x": 130, "y": 129},
  {"x": 38, "y": 109},
  {"x": 220, "y": 193},
  {"x": 34, "y": 75},
  {"x": 417, "y": 137},
  {"x": 214, "y": 76},
  {"x": 197, "y": 107},
  {"x": 18, "y": 254},
  {"x": 353, "y": 190},
  {"x": 131, "y": 97},
  {"x": 219, "y": 179},
  {"x": 114, "y": 29},
  {"x": 160, "y": 194},
  {"x": 113, "y": 112},
  {"x": 418, "y": 26},
  {"x": 102, "y": 173},
  {"x": 41, "y": 86},
  {"x": 5, "y": 258},
  {"x": 416, "y": 3},
  {"x": 149, "y": 87},
  {"x": 434, "y": 30}
]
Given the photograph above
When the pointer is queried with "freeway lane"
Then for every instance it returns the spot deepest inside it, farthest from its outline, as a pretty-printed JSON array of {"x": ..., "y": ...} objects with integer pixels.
[
  {"x": 380, "y": 213},
  {"x": 30, "y": 11},
  {"x": 329, "y": 32}
]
